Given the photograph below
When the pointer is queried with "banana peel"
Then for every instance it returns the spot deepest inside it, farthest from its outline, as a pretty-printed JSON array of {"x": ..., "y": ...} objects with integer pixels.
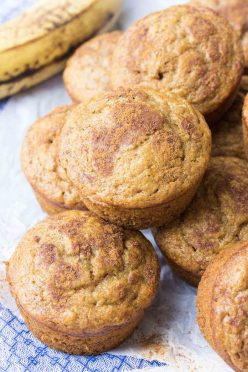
[{"x": 35, "y": 45}]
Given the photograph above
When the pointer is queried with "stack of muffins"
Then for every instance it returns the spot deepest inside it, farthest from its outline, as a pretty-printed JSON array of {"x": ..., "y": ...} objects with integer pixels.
[{"x": 133, "y": 151}]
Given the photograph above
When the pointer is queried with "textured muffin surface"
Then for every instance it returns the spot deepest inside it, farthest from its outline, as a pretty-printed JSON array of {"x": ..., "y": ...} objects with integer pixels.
[
  {"x": 134, "y": 148},
  {"x": 197, "y": 56},
  {"x": 217, "y": 216},
  {"x": 236, "y": 11},
  {"x": 88, "y": 71},
  {"x": 227, "y": 134},
  {"x": 76, "y": 273},
  {"x": 40, "y": 165},
  {"x": 223, "y": 305}
]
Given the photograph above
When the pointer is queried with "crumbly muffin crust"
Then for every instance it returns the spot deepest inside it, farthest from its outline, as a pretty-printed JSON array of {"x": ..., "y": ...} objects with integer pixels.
[
  {"x": 236, "y": 11},
  {"x": 88, "y": 71},
  {"x": 142, "y": 162},
  {"x": 39, "y": 163},
  {"x": 227, "y": 134},
  {"x": 217, "y": 216},
  {"x": 78, "y": 277},
  {"x": 223, "y": 306},
  {"x": 197, "y": 56},
  {"x": 245, "y": 124}
]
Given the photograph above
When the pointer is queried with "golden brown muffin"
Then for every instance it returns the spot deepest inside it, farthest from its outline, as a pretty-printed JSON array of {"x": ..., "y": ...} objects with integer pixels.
[
  {"x": 88, "y": 71},
  {"x": 53, "y": 190},
  {"x": 245, "y": 124},
  {"x": 136, "y": 156},
  {"x": 217, "y": 216},
  {"x": 227, "y": 134},
  {"x": 236, "y": 11},
  {"x": 82, "y": 284},
  {"x": 192, "y": 52},
  {"x": 223, "y": 305}
]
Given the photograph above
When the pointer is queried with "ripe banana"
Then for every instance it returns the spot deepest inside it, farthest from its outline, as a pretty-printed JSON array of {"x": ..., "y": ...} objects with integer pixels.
[{"x": 36, "y": 44}]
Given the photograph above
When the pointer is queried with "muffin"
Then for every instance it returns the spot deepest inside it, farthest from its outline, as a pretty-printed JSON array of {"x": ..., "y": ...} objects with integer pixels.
[
  {"x": 227, "y": 134},
  {"x": 245, "y": 124},
  {"x": 217, "y": 216},
  {"x": 223, "y": 306},
  {"x": 82, "y": 285},
  {"x": 192, "y": 52},
  {"x": 53, "y": 190},
  {"x": 236, "y": 11},
  {"x": 136, "y": 156},
  {"x": 88, "y": 71}
]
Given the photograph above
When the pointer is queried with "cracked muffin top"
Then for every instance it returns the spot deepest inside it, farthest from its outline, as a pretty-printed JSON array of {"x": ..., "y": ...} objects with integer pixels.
[
  {"x": 87, "y": 72},
  {"x": 39, "y": 161},
  {"x": 217, "y": 216},
  {"x": 77, "y": 273},
  {"x": 192, "y": 52},
  {"x": 134, "y": 148},
  {"x": 227, "y": 134},
  {"x": 236, "y": 11},
  {"x": 223, "y": 314}
]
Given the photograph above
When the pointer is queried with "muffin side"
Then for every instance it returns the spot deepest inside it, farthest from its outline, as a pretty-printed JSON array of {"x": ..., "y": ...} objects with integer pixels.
[
  {"x": 245, "y": 124},
  {"x": 227, "y": 134},
  {"x": 222, "y": 305},
  {"x": 41, "y": 167}
]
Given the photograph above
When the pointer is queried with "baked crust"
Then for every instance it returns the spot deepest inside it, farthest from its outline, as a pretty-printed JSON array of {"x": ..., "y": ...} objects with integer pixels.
[
  {"x": 217, "y": 216},
  {"x": 222, "y": 305},
  {"x": 82, "y": 284},
  {"x": 142, "y": 163},
  {"x": 236, "y": 12},
  {"x": 39, "y": 162},
  {"x": 245, "y": 124},
  {"x": 87, "y": 72},
  {"x": 227, "y": 134},
  {"x": 197, "y": 56}
]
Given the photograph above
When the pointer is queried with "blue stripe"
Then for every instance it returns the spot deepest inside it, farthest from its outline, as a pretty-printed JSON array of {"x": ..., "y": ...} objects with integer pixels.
[{"x": 19, "y": 349}]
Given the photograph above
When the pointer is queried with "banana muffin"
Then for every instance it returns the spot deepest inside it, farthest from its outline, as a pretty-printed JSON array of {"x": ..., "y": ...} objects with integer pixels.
[
  {"x": 223, "y": 305},
  {"x": 217, "y": 216},
  {"x": 192, "y": 52},
  {"x": 245, "y": 124},
  {"x": 81, "y": 284},
  {"x": 136, "y": 156},
  {"x": 88, "y": 71},
  {"x": 227, "y": 134},
  {"x": 236, "y": 11},
  {"x": 53, "y": 190}
]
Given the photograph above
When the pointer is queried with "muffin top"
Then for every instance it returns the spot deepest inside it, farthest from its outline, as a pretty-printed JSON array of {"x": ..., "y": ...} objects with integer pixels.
[
  {"x": 227, "y": 279},
  {"x": 236, "y": 11},
  {"x": 77, "y": 273},
  {"x": 227, "y": 134},
  {"x": 88, "y": 71},
  {"x": 217, "y": 216},
  {"x": 197, "y": 56},
  {"x": 39, "y": 160},
  {"x": 134, "y": 148}
]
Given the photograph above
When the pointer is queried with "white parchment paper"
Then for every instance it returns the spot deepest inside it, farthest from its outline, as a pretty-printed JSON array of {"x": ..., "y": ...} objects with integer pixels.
[{"x": 169, "y": 331}]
